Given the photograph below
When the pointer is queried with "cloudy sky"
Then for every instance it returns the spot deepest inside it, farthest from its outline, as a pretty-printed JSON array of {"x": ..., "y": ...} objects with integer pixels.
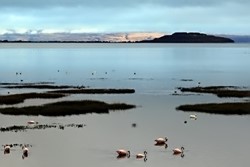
[{"x": 109, "y": 16}]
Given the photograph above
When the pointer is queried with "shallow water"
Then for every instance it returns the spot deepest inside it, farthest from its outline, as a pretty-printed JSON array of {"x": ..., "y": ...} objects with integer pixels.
[{"x": 154, "y": 71}]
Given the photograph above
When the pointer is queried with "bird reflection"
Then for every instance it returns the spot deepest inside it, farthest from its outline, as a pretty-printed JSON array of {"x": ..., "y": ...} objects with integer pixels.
[
  {"x": 165, "y": 145},
  {"x": 181, "y": 155},
  {"x": 24, "y": 156},
  {"x": 123, "y": 156}
]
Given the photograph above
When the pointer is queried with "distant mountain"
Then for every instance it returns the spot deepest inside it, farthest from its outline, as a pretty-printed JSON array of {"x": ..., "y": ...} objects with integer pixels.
[
  {"x": 79, "y": 37},
  {"x": 192, "y": 37}
]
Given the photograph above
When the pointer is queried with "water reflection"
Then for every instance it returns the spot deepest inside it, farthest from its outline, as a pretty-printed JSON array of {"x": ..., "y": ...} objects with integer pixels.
[
  {"x": 181, "y": 155},
  {"x": 165, "y": 145},
  {"x": 123, "y": 156},
  {"x": 25, "y": 155}
]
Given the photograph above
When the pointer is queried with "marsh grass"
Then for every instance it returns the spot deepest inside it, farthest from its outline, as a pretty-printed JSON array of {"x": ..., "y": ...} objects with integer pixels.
[
  {"x": 238, "y": 108},
  {"x": 218, "y": 108},
  {"x": 19, "y": 98},
  {"x": 67, "y": 108},
  {"x": 18, "y": 83},
  {"x": 220, "y": 91},
  {"x": 32, "y": 86},
  {"x": 95, "y": 91},
  {"x": 17, "y": 128}
]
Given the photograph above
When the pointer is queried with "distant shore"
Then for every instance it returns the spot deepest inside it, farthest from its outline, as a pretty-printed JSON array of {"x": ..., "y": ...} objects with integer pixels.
[{"x": 178, "y": 37}]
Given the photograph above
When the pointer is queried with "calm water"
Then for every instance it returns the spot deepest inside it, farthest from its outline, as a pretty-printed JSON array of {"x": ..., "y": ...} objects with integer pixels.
[{"x": 154, "y": 71}]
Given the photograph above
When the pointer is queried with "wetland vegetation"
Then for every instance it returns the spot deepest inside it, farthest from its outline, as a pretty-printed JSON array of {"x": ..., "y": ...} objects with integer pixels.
[
  {"x": 21, "y": 128},
  {"x": 227, "y": 108},
  {"x": 220, "y": 91},
  {"x": 67, "y": 108},
  {"x": 61, "y": 108},
  {"x": 218, "y": 108},
  {"x": 19, "y": 98}
]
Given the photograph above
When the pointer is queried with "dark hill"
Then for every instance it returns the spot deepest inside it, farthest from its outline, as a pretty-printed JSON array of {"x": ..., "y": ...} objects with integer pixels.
[{"x": 184, "y": 37}]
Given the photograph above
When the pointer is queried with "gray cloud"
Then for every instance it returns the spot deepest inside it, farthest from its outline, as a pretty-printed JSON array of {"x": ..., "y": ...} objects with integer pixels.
[{"x": 219, "y": 16}]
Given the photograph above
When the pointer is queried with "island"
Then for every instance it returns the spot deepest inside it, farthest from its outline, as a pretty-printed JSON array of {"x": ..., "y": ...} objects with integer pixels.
[{"x": 191, "y": 37}]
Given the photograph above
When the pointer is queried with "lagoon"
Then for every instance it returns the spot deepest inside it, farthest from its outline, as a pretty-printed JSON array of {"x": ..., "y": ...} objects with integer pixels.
[{"x": 154, "y": 71}]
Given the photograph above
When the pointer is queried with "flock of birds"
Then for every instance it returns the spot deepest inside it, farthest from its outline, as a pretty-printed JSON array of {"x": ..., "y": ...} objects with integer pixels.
[
  {"x": 25, "y": 150},
  {"x": 122, "y": 153},
  {"x": 159, "y": 141}
]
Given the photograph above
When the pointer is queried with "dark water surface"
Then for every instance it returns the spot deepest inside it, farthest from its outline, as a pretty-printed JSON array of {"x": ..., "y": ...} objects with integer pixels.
[{"x": 154, "y": 71}]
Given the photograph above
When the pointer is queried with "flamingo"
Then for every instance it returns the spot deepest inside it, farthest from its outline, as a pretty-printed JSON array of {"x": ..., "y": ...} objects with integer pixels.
[
  {"x": 178, "y": 151},
  {"x": 123, "y": 153},
  {"x": 25, "y": 152},
  {"x": 161, "y": 140},
  {"x": 140, "y": 155},
  {"x": 6, "y": 149}
]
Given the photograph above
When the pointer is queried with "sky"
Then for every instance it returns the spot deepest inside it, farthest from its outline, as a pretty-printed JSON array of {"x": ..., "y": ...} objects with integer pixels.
[{"x": 112, "y": 16}]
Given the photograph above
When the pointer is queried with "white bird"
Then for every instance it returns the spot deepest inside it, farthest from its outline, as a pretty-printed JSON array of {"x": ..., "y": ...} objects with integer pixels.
[
  {"x": 6, "y": 149},
  {"x": 193, "y": 116},
  {"x": 140, "y": 155},
  {"x": 31, "y": 122},
  {"x": 25, "y": 152},
  {"x": 178, "y": 151},
  {"x": 123, "y": 153},
  {"x": 161, "y": 140}
]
